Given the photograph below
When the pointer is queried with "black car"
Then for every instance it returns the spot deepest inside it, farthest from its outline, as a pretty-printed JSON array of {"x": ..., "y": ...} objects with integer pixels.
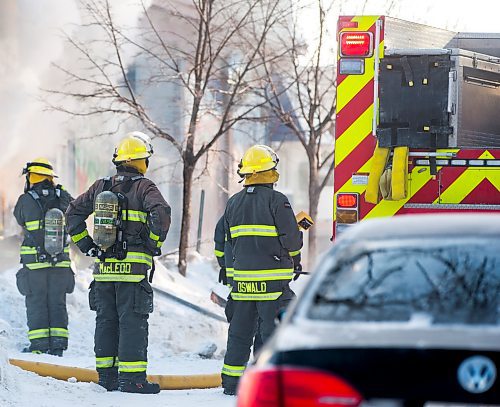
[{"x": 403, "y": 311}]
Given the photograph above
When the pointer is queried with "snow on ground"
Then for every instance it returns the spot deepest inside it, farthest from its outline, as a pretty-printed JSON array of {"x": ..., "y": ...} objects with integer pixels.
[{"x": 176, "y": 335}]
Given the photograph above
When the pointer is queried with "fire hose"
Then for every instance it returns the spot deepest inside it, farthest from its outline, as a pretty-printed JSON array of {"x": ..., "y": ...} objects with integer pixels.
[{"x": 166, "y": 382}]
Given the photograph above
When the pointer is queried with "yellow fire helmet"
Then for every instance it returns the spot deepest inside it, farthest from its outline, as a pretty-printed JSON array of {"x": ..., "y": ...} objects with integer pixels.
[
  {"x": 133, "y": 146},
  {"x": 40, "y": 166},
  {"x": 258, "y": 158}
]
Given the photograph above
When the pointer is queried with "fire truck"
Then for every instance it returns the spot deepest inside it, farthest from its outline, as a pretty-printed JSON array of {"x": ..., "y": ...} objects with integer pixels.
[{"x": 417, "y": 120}]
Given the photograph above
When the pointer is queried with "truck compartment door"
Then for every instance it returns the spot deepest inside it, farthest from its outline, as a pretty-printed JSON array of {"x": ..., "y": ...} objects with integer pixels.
[{"x": 413, "y": 108}]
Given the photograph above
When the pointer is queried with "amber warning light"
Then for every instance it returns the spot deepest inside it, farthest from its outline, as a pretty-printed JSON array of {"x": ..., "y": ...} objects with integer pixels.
[{"x": 355, "y": 44}]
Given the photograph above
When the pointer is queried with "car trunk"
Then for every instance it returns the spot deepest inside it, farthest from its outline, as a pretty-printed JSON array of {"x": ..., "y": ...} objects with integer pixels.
[{"x": 401, "y": 374}]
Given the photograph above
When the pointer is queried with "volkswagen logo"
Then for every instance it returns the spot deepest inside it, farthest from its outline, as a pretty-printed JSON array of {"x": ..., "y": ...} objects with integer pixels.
[{"x": 477, "y": 374}]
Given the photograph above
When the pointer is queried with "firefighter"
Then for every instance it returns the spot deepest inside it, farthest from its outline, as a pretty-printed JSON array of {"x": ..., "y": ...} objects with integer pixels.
[
  {"x": 120, "y": 293},
  {"x": 265, "y": 242},
  {"x": 223, "y": 253},
  {"x": 46, "y": 276}
]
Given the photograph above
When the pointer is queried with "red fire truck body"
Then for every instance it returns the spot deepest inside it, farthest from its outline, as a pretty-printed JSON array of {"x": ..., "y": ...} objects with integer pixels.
[{"x": 417, "y": 120}]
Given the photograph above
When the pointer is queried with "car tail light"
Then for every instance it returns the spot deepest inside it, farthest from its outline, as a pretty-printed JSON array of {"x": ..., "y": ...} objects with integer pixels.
[
  {"x": 347, "y": 207},
  {"x": 356, "y": 44},
  {"x": 295, "y": 387},
  {"x": 259, "y": 388}
]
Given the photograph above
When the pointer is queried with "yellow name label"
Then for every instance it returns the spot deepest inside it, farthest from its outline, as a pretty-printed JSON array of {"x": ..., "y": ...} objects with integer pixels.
[
  {"x": 115, "y": 268},
  {"x": 251, "y": 287}
]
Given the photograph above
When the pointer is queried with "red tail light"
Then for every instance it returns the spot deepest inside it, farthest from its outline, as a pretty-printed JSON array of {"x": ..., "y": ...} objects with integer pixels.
[
  {"x": 347, "y": 200},
  {"x": 295, "y": 387},
  {"x": 355, "y": 44},
  {"x": 259, "y": 388}
]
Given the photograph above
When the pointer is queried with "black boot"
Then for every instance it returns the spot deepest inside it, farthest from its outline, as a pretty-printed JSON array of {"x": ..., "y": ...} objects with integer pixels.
[
  {"x": 143, "y": 387},
  {"x": 229, "y": 384},
  {"x": 35, "y": 351},
  {"x": 230, "y": 391},
  {"x": 108, "y": 378},
  {"x": 56, "y": 352}
]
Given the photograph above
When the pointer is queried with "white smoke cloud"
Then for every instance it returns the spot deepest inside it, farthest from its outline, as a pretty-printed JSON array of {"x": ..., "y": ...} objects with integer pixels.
[{"x": 32, "y": 37}]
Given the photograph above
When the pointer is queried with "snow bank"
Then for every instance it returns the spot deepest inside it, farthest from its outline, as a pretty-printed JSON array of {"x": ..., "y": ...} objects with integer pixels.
[{"x": 177, "y": 335}]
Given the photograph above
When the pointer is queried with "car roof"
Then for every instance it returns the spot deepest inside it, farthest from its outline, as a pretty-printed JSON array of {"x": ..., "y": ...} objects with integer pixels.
[{"x": 424, "y": 225}]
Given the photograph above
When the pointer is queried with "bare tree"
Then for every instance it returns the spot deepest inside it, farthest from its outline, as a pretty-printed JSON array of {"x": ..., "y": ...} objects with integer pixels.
[
  {"x": 191, "y": 44},
  {"x": 309, "y": 82}
]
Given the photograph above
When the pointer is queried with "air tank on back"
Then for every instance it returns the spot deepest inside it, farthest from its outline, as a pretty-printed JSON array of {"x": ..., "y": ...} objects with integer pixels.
[
  {"x": 54, "y": 231},
  {"x": 105, "y": 219}
]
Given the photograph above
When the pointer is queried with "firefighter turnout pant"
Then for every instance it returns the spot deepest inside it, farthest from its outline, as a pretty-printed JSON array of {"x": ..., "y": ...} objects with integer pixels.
[
  {"x": 45, "y": 291},
  {"x": 242, "y": 328},
  {"x": 284, "y": 299},
  {"x": 121, "y": 333}
]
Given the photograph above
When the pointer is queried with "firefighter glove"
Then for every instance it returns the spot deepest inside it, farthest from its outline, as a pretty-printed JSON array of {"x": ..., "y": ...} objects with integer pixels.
[
  {"x": 55, "y": 259},
  {"x": 222, "y": 276},
  {"x": 88, "y": 247},
  {"x": 94, "y": 251},
  {"x": 297, "y": 270}
]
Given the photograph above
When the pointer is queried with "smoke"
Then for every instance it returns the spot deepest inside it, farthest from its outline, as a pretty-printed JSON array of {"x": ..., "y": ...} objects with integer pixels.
[
  {"x": 30, "y": 40},
  {"x": 32, "y": 37}
]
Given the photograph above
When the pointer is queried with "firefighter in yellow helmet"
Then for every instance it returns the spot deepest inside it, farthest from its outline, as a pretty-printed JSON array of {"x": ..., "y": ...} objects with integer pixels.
[
  {"x": 46, "y": 276},
  {"x": 131, "y": 222},
  {"x": 265, "y": 242}
]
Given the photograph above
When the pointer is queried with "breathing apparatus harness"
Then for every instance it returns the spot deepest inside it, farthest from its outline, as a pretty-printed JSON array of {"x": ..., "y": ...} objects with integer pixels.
[
  {"x": 120, "y": 248},
  {"x": 45, "y": 207}
]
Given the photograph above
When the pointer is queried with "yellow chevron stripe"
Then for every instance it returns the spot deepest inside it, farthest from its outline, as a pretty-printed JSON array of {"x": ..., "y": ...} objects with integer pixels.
[
  {"x": 487, "y": 155},
  {"x": 416, "y": 182},
  {"x": 349, "y": 187},
  {"x": 355, "y": 134},
  {"x": 469, "y": 180},
  {"x": 455, "y": 193},
  {"x": 381, "y": 49},
  {"x": 466, "y": 182},
  {"x": 390, "y": 208},
  {"x": 364, "y": 22},
  {"x": 353, "y": 84}
]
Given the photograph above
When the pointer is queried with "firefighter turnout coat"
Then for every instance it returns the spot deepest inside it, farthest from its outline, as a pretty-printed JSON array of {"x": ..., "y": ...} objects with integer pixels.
[
  {"x": 146, "y": 222},
  {"x": 265, "y": 243},
  {"x": 43, "y": 279}
]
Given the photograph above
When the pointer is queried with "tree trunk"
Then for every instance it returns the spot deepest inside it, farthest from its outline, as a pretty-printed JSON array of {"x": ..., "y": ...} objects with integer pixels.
[
  {"x": 187, "y": 183},
  {"x": 314, "y": 193}
]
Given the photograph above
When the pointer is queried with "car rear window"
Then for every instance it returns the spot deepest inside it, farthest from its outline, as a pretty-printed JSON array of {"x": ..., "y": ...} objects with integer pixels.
[{"x": 457, "y": 282}]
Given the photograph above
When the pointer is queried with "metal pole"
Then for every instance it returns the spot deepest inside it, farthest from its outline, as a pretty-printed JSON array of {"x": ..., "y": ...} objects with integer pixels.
[
  {"x": 378, "y": 28},
  {"x": 200, "y": 220}
]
